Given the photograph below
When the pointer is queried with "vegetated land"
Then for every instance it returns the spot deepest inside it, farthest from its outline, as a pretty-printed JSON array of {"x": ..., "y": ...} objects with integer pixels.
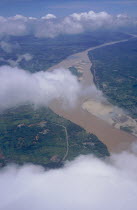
[
  {"x": 75, "y": 71},
  {"x": 47, "y": 52},
  {"x": 115, "y": 73},
  {"x": 39, "y": 137}
]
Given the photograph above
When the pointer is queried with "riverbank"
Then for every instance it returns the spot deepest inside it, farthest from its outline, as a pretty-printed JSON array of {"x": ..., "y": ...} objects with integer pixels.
[{"x": 115, "y": 139}]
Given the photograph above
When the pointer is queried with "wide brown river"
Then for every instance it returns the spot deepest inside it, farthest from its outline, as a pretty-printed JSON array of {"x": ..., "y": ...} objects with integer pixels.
[{"x": 116, "y": 140}]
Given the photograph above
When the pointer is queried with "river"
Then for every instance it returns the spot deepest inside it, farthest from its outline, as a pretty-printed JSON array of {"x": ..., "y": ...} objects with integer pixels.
[{"x": 115, "y": 139}]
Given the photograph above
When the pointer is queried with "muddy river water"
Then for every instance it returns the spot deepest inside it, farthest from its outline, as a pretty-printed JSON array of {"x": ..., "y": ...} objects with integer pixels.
[{"x": 102, "y": 119}]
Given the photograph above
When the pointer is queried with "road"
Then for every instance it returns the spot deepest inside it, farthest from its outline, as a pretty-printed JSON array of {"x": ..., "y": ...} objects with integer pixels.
[{"x": 67, "y": 141}]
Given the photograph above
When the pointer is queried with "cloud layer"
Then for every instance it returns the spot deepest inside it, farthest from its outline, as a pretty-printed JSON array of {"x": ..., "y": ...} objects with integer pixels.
[
  {"x": 18, "y": 87},
  {"x": 51, "y": 26},
  {"x": 86, "y": 183}
]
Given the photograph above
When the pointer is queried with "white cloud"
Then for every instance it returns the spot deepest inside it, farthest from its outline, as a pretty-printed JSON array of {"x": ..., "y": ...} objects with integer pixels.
[
  {"x": 13, "y": 27},
  {"x": 86, "y": 183},
  {"x": 48, "y": 17},
  {"x": 50, "y": 26},
  {"x": 91, "y": 15},
  {"x": 32, "y": 18},
  {"x": 15, "y": 63},
  {"x": 74, "y": 24},
  {"x": 20, "y": 87},
  {"x": 7, "y": 47},
  {"x": 26, "y": 56},
  {"x": 18, "y": 17}
]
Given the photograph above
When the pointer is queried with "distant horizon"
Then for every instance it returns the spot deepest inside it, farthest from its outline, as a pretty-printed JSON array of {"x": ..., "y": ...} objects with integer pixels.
[{"x": 62, "y": 8}]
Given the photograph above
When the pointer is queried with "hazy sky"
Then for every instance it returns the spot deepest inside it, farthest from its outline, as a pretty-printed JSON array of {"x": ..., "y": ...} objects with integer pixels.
[{"x": 38, "y": 8}]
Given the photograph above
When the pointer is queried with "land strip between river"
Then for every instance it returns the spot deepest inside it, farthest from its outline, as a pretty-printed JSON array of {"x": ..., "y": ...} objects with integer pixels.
[{"x": 115, "y": 139}]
